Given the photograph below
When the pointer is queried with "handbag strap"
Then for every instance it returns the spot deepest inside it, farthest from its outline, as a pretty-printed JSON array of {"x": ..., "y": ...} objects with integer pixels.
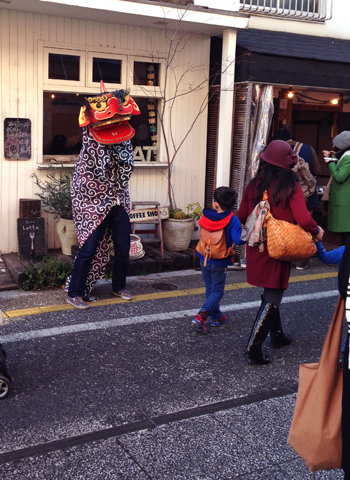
[
  {"x": 268, "y": 213},
  {"x": 347, "y": 313},
  {"x": 330, "y": 354}
]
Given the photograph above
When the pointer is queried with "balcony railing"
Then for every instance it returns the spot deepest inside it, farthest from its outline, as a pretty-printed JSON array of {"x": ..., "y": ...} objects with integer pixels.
[{"x": 309, "y": 10}]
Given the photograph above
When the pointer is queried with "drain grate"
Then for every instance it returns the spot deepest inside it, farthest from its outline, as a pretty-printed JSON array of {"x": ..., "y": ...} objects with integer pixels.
[{"x": 164, "y": 286}]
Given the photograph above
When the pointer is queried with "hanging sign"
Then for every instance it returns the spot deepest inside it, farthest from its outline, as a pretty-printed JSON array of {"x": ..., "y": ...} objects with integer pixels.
[
  {"x": 17, "y": 139},
  {"x": 283, "y": 104}
]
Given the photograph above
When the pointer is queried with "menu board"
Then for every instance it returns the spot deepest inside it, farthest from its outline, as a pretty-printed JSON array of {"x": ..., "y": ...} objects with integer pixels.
[
  {"x": 17, "y": 138},
  {"x": 31, "y": 238}
]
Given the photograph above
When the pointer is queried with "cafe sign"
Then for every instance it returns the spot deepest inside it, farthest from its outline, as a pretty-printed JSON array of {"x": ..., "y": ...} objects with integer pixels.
[{"x": 148, "y": 214}]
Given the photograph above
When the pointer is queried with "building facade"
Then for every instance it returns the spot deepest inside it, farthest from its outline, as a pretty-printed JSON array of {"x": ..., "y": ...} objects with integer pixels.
[{"x": 54, "y": 53}]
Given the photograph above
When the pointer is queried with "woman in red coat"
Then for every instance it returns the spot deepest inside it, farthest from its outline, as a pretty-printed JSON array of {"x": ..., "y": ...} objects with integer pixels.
[{"x": 287, "y": 203}]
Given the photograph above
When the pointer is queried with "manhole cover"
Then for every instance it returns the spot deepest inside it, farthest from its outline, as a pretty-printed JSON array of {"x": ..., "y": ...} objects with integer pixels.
[{"x": 164, "y": 286}]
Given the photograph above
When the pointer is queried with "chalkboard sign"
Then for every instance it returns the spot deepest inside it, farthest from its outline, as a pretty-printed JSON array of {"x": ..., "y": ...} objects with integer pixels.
[
  {"x": 31, "y": 238},
  {"x": 17, "y": 138}
]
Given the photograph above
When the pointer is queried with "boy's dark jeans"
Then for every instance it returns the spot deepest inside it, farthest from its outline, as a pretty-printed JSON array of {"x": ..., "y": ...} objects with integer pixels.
[
  {"x": 214, "y": 279},
  {"x": 119, "y": 222}
]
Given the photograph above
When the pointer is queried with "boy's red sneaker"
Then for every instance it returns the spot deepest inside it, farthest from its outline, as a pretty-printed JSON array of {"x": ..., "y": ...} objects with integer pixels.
[
  {"x": 220, "y": 321},
  {"x": 200, "y": 322}
]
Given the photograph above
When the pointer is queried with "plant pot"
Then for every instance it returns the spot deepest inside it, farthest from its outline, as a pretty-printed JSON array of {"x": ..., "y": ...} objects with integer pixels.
[
  {"x": 177, "y": 233},
  {"x": 66, "y": 234}
]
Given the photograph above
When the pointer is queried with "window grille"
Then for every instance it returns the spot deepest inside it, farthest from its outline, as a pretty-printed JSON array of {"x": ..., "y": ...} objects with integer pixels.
[{"x": 311, "y": 10}]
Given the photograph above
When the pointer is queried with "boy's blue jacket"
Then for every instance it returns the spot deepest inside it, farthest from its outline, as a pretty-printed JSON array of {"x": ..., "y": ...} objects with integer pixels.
[
  {"x": 333, "y": 256},
  {"x": 232, "y": 233}
]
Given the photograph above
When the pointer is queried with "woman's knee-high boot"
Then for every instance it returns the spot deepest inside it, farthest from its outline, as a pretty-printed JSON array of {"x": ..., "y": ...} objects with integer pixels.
[
  {"x": 278, "y": 337},
  {"x": 262, "y": 325}
]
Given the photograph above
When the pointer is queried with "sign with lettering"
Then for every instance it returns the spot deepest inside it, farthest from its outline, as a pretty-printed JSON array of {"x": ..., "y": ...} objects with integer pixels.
[
  {"x": 17, "y": 138},
  {"x": 148, "y": 214},
  {"x": 283, "y": 103},
  {"x": 31, "y": 238}
]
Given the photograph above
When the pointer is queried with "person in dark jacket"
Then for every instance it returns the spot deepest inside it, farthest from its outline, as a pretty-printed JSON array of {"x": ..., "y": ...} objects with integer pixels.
[
  {"x": 344, "y": 289},
  {"x": 308, "y": 153},
  {"x": 214, "y": 271},
  {"x": 287, "y": 203}
]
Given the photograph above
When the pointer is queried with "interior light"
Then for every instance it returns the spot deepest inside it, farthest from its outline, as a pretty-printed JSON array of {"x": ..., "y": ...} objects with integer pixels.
[
  {"x": 52, "y": 95},
  {"x": 290, "y": 93},
  {"x": 335, "y": 101}
]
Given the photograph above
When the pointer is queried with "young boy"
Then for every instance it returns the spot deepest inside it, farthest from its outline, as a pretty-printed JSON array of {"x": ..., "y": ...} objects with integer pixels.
[{"x": 214, "y": 270}]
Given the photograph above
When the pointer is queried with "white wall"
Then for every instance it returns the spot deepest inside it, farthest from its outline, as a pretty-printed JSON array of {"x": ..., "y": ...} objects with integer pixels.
[{"x": 21, "y": 88}]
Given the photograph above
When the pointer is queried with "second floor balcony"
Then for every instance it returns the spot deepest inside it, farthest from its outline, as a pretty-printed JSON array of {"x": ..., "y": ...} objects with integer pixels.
[{"x": 308, "y": 10}]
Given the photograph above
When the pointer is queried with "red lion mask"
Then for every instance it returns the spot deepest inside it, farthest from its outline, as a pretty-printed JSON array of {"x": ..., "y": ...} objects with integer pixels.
[{"x": 107, "y": 116}]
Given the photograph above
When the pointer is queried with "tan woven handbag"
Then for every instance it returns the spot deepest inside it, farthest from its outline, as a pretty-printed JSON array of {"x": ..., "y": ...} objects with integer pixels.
[{"x": 286, "y": 241}]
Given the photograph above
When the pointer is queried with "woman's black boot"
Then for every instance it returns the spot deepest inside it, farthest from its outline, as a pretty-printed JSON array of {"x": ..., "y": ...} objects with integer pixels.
[
  {"x": 262, "y": 325},
  {"x": 278, "y": 337}
]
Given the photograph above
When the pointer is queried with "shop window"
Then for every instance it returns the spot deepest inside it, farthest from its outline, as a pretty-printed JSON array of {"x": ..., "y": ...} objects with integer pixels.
[
  {"x": 106, "y": 69},
  {"x": 146, "y": 73},
  {"x": 62, "y": 135},
  {"x": 61, "y": 132},
  {"x": 64, "y": 67},
  {"x": 145, "y": 140}
]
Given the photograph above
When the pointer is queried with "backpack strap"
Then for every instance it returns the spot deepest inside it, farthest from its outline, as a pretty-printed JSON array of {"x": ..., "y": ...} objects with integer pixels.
[{"x": 297, "y": 148}]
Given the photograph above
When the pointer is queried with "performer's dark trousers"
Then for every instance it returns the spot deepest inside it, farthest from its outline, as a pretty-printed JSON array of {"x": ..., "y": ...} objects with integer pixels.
[{"x": 119, "y": 223}]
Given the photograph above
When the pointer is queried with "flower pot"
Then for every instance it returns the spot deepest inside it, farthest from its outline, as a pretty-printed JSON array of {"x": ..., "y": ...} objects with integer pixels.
[
  {"x": 177, "y": 233},
  {"x": 66, "y": 234}
]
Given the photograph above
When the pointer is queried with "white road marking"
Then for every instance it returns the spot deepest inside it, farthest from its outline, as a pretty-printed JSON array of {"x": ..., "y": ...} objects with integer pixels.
[{"x": 117, "y": 322}]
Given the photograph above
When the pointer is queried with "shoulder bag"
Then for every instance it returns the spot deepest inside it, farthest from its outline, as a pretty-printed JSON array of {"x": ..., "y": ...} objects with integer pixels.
[
  {"x": 315, "y": 433},
  {"x": 286, "y": 241}
]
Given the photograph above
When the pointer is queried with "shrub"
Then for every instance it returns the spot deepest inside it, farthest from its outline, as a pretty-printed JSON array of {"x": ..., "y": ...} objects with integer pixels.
[
  {"x": 49, "y": 273},
  {"x": 54, "y": 193}
]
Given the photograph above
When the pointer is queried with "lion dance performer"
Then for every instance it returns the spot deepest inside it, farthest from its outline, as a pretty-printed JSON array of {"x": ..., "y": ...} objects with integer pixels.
[{"x": 100, "y": 194}]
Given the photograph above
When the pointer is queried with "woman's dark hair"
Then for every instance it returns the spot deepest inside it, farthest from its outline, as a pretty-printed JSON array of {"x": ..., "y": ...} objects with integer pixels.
[
  {"x": 283, "y": 183},
  {"x": 283, "y": 134},
  {"x": 226, "y": 197}
]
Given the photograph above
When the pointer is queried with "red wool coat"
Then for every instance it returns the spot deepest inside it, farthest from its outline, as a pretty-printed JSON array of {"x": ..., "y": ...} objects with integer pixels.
[{"x": 262, "y": 270}]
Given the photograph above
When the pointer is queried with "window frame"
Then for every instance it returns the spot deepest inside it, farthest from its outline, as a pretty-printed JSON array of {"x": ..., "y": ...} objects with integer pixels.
[
  {"x": 145, "y": 90},
  {"x": 86, "y": 86},
  {"x": 90, "y": 55},
  {"x": 62, "y": 51}
]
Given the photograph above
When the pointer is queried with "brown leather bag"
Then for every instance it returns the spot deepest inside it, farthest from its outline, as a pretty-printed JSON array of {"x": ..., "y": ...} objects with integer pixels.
[
  {"x": 213, "y": 245},
  {"x": 315, "y": 433},
  {"x": 286, "y": 241}
]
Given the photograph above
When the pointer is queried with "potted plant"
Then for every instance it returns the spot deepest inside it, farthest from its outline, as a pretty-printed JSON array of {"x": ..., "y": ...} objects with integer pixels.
[
  {"x": 54, "y": 193},
  {"x": 178, "y": 228}
]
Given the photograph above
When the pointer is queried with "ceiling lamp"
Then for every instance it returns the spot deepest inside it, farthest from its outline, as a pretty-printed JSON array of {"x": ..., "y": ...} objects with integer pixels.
[
  {"x": 290, "y": 93},
  {"x": 335, "y": 101}
]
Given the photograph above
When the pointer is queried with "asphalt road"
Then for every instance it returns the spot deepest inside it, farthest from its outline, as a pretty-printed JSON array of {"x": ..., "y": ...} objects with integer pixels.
[{"x": 132, "y": 391}]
